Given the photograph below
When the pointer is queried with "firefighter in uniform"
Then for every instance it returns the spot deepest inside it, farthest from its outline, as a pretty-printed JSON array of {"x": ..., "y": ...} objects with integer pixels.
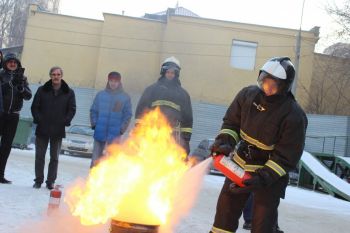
[
  {"x": 264, "y": 132},
  {"x": 173, "y": 101}
]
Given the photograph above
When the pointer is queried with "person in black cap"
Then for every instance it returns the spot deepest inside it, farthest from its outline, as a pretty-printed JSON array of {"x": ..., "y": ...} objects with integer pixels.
[{"x": 15, "y": 89}]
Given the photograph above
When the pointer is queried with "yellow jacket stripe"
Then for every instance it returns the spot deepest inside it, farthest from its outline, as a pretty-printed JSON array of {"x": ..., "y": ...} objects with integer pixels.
[
  {"x": 277, "y": 168},
  {"x": 242, "y": 164},
  {"x": 255, "y": 142},
  {"x": 166, "y": 103},
  {"x": 186, "y": 130},
  {"x": 231, "y": 133},
  {"x": 238, "y": 160},
  {"x": 217, "y": 230}
]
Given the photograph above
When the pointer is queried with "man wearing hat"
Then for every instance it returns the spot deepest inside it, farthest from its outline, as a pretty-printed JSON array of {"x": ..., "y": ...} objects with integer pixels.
[
  {"x": 110, "y": 114},
  {"x": 14, "y": 87}
]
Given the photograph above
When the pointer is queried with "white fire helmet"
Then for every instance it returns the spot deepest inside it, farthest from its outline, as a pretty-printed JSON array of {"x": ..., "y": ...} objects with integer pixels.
[
  {"x": 282, "y": 70},
  {"x": 171, "y": 63}
]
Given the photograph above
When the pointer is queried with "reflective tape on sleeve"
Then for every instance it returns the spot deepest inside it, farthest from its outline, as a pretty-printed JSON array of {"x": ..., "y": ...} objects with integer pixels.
[
  {"x": 275, "y": 167},
  {"x": 231, "y": 133},
  {"x": 166, "y": 103}
]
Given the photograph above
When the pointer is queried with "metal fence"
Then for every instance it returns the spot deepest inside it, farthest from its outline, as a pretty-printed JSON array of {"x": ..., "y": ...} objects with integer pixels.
[{"x": 335, "y": 145}]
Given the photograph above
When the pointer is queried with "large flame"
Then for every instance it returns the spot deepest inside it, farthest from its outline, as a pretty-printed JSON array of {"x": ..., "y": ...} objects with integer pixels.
[{"x": 138, "y": 179}]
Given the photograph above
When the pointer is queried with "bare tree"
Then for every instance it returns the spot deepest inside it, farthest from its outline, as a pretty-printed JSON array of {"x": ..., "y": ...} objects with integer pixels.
[
  {"x": 339, "y": 50},
  {"x": 13, "y": 17},
  {"x": 6, "y": 12},
  {"x": 341, "y": 14},
  {"x": 53, "y": 5},
  {"x": 18, "y": 22},
  {"x": 329, "y": 92}
]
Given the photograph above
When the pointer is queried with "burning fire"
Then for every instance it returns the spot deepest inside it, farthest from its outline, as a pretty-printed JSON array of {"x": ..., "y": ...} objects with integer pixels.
[{"x": 137, "y": 180}]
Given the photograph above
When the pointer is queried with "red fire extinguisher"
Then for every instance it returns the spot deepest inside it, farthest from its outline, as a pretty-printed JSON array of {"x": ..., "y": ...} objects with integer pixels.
[
  {"x": 55, "y": 199},
  {"x": 230, "y": 169}
]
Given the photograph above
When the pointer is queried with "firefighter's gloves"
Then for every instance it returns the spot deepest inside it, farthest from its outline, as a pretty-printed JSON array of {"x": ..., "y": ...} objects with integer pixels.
[
  {"x": 223, "y": 144},
  {"x": 186, "y": 145},
  {"x": 260, "y": 178}
]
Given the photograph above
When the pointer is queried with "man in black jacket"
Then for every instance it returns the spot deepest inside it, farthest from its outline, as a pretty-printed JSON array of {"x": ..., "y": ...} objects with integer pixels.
[
  {"x": 53, "y": 109},
  {"x": 264, "y": 133},
  {"x": 1, "y": 104},
  {"x": 14, "y": 88},
  {"x": 1, "y": 58},
  {"x": 173, "y": 101}
]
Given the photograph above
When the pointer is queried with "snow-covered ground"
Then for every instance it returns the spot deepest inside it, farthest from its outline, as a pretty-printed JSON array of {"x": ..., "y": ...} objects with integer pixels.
[{"x": 23, "y": 208}]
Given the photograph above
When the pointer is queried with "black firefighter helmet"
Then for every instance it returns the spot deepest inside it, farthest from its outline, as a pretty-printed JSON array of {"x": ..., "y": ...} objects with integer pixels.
[{"x": 282, "y": 70}]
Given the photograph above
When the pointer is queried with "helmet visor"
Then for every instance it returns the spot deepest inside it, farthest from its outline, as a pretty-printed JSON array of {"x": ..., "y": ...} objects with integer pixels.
[
  {"x": 171, "y": 66},
  {"x": 270, "y": 85}
]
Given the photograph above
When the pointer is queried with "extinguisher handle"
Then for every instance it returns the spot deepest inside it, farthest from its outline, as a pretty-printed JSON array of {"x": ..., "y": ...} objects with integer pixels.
[
  {"x": 214, "y": 154},
  {"x": 58, "y": 186}
]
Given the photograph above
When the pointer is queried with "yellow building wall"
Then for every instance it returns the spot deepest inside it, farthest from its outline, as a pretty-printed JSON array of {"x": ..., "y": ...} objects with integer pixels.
[
  {"x": 132, "y": 47},
  {"x": 206, "y": 70},
  {"x": 69, "y": 42},
  {"x": 88, "y": 50}
]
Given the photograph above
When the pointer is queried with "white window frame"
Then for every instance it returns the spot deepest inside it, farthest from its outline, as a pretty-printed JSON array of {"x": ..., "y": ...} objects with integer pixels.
[{"x": 243, "y": 54}]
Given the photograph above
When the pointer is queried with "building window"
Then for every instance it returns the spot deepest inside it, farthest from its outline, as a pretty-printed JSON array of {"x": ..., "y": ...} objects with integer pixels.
[{"x": 243, "y": 54}]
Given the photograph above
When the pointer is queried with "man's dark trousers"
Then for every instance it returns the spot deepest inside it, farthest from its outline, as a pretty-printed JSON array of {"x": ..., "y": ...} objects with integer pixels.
[
  {"x": 41, "y": 144},
  {"x": 8, "y": 127}
]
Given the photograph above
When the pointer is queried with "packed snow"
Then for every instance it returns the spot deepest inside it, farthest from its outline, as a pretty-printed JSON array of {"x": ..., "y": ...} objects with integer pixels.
[
  {"x": 321, "y": 171},
  {"x": 24, "y": 209},
  {"x": 346, "y": 159}
]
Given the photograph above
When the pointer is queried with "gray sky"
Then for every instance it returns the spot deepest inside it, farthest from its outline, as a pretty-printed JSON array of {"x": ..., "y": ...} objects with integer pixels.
[{"x": 279, "y": 13}]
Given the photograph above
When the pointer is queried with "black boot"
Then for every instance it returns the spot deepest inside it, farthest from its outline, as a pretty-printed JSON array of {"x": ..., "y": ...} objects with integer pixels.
[
  {"x": 247, "y": 226},
  {"x": 49, "y": 186},
  {"x": 4, "y": 181},
  {"x": 278, "y": 230},
  {"x": 37, "y": 185}
]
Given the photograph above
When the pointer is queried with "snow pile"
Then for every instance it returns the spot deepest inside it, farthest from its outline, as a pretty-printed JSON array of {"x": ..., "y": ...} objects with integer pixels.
[{"x": 325, "y": 174}]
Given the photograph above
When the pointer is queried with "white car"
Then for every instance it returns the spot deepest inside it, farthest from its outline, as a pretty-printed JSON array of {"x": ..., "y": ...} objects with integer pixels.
[{"x": 79, "y": 141}]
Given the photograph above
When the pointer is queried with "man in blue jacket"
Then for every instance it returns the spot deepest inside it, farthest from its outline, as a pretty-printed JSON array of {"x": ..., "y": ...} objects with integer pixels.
[{"x": 110, "y": 114}]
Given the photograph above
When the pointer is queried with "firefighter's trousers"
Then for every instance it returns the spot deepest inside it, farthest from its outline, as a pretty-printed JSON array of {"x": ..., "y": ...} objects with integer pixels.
[{"x": 266, "y": 200}]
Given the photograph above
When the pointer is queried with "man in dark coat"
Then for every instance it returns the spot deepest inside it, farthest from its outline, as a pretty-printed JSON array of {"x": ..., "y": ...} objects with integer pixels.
[
  {"x": 1, "y": 58},
  {"x": 263, "y": 132},
  {"x": 53, "y": 109},
  {"x": 1, "y": 104},
  {"x": 14, "y": 87},
  {"x": 172, "y": 99}
]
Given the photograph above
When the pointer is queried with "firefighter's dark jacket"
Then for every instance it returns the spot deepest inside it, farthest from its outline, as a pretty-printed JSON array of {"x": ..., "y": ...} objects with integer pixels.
[
  {"x": 274, "y": 127},
  {"x": 173, "y": 101}
]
